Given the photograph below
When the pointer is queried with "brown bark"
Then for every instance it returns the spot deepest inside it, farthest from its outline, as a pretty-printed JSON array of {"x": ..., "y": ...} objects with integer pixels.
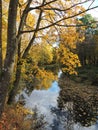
[
  {"x": 18, "y": 71},
  {"x": 11, "y": 51},
  {"x": 15, "y": 88},
  {"x": 13, "y": 92},
  {"x": 0, "y": 38},
  {"x": 1, "y": 108}
]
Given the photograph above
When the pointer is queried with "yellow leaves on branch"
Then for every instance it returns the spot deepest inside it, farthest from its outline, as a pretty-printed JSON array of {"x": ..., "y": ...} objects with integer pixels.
[
  {"x": 49, "y": 14},
  {"x": 39, "y": 56},
  {"x": 80, "y": 9},
  {"x": 42, "y": 53},
  {"x": 69, "y": 37},
  {"x": 30, "y": 21},
  {"x": 68, "y": 60}
]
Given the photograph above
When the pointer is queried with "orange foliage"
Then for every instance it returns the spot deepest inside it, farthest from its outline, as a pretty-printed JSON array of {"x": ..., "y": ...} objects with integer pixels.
[{"x": 13, "y": 119}]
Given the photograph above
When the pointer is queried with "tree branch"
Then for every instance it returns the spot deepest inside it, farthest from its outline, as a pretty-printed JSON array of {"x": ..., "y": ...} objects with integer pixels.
[
  {"x": 34, "y": 35},
  {"x": 65, "y": 18},
  {"x": 54, "y": 8},
  {"x": 23, "y": 18},
  {"x": 39, "y": 7}
]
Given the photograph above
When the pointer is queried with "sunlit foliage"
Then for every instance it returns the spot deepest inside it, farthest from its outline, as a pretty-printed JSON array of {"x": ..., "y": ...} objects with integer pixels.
[
  {"x": 42, "y": 54},
  {"x": 68, "y": 60},
  {"x": 38, "y": 78}
]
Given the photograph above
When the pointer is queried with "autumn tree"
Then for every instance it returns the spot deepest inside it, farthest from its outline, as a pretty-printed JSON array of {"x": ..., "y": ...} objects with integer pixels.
[
  {"x": 68, "y": 59},
  {"x": 0, "y": 38},
  {"x": 38, "y": 20}
]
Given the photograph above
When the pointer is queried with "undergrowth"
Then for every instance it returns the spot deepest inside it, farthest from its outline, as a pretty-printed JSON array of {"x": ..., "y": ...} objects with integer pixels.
[{"x": 19, "y": 118}]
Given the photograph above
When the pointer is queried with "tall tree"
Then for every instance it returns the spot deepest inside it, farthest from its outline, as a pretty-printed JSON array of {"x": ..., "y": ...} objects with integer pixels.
[
  {"x": 0, "y": 38},
  {"x": 11, "y": 51}
]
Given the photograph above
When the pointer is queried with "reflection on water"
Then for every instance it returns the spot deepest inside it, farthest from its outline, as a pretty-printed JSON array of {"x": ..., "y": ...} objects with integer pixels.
[
  {"x": 82, "y": 103},
  {"x": 67, "y": 106},
  {"x": 44, "y": 100}
]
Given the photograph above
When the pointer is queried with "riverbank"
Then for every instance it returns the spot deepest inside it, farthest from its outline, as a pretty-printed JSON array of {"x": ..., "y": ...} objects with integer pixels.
[{"x": 87, "y": 75}]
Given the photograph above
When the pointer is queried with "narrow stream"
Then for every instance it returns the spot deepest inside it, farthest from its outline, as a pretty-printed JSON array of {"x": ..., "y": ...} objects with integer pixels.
[{"x": 64, "y": 109}]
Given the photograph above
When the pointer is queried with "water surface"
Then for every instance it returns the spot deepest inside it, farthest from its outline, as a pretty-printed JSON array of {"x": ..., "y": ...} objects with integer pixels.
[{"x": 66, "y": 107}]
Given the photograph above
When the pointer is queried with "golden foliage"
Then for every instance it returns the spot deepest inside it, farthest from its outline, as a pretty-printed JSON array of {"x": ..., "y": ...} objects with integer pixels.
[
  {"x": 42, "y": 53},
  {"x": 30, "y": 21},
  {"x": 68, "y": 60},
  {"x": 69, "y": 37},
  {"x": 46, "y": 78},
  {"x": 39, "y": 77},
  {"x": 4, "y": 26}
]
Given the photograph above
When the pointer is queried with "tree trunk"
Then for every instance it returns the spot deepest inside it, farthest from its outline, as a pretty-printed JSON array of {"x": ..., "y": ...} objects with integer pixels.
[
  {"x": 10, "y": 54},
  {"x": 18, "y": 72},
  {"x": 15, "y": 88},
  {"x": 0, "y": 38},
  {"x": 1, "y": 91},
  {"x": 13, "y": 92}
]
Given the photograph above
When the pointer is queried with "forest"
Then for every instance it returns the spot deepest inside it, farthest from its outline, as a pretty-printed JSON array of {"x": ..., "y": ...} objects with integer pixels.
[{"x": 39, "y": 38}]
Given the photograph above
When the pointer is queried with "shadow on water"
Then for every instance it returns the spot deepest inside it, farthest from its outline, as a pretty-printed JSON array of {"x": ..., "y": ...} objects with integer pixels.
[
  {"x": 66, "y": 105},
  {"x": 81, "y": 101}
]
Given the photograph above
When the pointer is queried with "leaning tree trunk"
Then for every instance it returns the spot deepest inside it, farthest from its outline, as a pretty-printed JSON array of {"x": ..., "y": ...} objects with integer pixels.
[
  {"x": 10, "y": 54},
  {"x": 13, "y": 92},
  {"x": 0, "y": 55}
]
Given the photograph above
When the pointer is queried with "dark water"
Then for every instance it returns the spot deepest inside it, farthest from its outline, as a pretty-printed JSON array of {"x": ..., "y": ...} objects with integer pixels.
[{"x": 66, "y": 105}]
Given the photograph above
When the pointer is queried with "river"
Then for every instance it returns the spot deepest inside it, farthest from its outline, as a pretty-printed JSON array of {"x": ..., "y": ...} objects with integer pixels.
[{"x": 65, "y": 107}]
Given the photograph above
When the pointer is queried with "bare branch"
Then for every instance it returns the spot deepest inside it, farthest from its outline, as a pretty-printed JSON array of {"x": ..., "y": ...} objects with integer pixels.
[
  {"x": 39, "y": 7},
  {"x": 91, "y": 3},
  {"x": 34, "y": 35},
  {"x": 54, "y": 8},
  {"x": 65, "y": 18},
  {"x": 20, "y": 5},
  {"x": 23, "y": 18}
]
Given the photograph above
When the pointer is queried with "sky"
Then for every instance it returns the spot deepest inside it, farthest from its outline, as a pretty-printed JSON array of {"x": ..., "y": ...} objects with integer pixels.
[{"x": 93, "y": 12}]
